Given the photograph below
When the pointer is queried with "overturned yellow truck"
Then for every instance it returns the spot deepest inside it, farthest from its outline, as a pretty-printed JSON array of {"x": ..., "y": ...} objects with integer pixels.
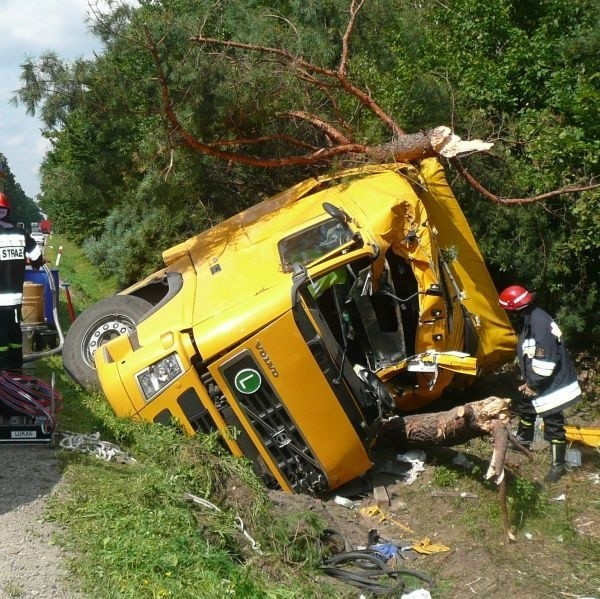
[{"x": 296, "y": 327}]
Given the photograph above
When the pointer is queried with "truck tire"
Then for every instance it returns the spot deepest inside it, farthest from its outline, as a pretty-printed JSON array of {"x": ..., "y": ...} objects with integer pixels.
[{"x": 109, "y": 318}]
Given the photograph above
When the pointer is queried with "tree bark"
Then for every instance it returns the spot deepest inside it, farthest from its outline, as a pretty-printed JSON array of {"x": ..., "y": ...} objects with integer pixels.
[{"x": 446, "y": 429}]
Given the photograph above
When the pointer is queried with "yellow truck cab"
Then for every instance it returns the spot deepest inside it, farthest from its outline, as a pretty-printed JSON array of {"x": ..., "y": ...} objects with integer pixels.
[{"x": 297, "y": 326}]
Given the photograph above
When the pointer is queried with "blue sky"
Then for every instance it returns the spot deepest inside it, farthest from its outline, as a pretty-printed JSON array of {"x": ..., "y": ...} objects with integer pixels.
[{"x": 28, "y": 28}]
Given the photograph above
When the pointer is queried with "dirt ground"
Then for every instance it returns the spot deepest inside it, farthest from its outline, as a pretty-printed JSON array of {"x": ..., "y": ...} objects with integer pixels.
[
  {"x": 456, "y": 511},
  {"x": 480, "y": 561},
  {"x": 463, "y": 516}
]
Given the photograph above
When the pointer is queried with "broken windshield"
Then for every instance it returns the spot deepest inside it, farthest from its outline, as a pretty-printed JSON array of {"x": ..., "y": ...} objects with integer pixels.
[{"x": 312, "y": 243}]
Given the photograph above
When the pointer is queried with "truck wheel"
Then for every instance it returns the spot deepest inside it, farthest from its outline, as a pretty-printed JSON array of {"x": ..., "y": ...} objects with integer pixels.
[{"x": 109, "y": 318}]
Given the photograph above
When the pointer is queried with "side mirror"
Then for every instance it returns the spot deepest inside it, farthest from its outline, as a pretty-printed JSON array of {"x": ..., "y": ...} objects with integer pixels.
[{"x": 336, "y": 212}]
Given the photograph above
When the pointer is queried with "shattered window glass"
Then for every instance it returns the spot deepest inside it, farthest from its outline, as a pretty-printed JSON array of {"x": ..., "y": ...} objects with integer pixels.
[{"x": 310, "y": 244}]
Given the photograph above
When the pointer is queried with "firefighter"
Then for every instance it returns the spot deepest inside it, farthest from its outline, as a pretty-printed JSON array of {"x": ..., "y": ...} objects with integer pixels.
[
  {"x": 550, "y": 381},
  {"x": 16, "y": 247}
]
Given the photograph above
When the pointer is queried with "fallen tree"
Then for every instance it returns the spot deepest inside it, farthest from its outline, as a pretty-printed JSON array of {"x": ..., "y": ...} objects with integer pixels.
[
  {"x": 446, "y": 429},
  {"x": 487, "y": 417},
  {"x": 338, "y": 141}
]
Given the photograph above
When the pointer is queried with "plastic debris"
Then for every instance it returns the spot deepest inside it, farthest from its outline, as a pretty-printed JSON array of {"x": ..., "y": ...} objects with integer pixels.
[
  {"x": 416, "y": 459},
  {"x": 573, "y": 457},
  {"x": 386, "y": 550},
  {"x": 427, "y": 547},
  {"x": 344, "y": 501},
  {"x": 418, "y": 594},
  {"x": 373, "y": 510}
]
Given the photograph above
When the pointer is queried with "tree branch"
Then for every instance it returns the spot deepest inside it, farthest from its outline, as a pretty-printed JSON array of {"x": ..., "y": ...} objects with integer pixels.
[
  {"x": 477, "y": 186},
  {"x": 331, "y": 132},
  {"x": 440, "y": 141},
  {"x": 355, "y": 6},
  {"x": 318, "y": 156},
  {"x": 298, "y": 63}
]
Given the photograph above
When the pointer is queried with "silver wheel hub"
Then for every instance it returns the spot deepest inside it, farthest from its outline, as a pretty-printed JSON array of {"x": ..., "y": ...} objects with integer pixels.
[{"x": 101, "y": 333}]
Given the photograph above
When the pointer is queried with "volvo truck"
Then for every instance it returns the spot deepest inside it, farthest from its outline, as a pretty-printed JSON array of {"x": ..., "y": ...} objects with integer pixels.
[{"x": 297, "y": 327}]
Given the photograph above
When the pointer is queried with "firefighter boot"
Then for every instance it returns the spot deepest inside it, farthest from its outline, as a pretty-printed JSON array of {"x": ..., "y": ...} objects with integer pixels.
[
  {"x": 559, "y": 463},
  {"x": 525, "y": 432}
]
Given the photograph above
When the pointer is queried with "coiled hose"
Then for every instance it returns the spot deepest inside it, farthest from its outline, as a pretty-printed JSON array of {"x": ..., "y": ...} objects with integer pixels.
[
  {"x": 365, "y": 569},
  {"x": 31, "y": 396}
]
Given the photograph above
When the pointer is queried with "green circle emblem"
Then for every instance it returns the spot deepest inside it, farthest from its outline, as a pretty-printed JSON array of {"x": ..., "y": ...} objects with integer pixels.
[{"x": 247, "y": 381}]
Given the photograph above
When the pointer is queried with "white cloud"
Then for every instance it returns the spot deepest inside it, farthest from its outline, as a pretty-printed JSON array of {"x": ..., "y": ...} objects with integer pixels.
[
  {"x": 28, "y": 28},
  {"x": 43, "y": 23}
]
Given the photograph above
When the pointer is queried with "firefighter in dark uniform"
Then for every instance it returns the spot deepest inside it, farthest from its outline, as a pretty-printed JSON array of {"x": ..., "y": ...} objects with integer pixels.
[
  {"x": 16, "y": 247},
  {"x": 550, "y": 380}
]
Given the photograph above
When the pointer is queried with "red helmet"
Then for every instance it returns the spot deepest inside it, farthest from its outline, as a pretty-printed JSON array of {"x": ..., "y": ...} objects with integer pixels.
[
  {"x": 4, "y": 203},
  {"x": 515, "y": 297}
]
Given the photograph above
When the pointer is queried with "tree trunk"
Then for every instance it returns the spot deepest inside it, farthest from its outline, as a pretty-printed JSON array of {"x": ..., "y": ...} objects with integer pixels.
[
  {"x": 456, "y": 426},
  {"x": 446, "y": 429}
]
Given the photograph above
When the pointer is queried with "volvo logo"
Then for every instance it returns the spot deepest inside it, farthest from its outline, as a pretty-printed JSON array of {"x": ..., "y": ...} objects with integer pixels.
[
  {"x": 263, "y": 354},
  {"x": 281, "y": 439}
]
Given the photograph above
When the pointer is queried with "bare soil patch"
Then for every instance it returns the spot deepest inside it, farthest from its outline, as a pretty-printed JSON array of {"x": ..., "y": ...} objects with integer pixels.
[
  {"x": 557, "y": 525},
  {"x": 480, "y": 561}
]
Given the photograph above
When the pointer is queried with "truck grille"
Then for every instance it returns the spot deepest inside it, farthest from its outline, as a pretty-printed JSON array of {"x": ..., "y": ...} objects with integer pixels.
[
  {"x": 273, "y": 425},
  {"x": 198, "y": 416}
]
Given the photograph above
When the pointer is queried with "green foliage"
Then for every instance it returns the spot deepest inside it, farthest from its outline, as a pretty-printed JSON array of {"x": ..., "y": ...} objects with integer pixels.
[
  {"x": 526, "y": 499},
  {"x": 80, "y": 274},
  {"x": 523, "y": 74},
  {"x": 518, "y": 72},
  {"x": 445, "y": 476},
  {"x": 23, "y": 208}
]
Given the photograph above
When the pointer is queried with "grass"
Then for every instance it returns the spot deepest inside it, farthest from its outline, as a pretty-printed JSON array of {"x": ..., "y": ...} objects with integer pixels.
[
  {"x": 546, "y": 515},
  {"x": 132, "y": 533},
  {"x": 13, "y": 590},
  {"x": 130, "y": 529},
  {"x": 84, "y": 283},
  {"x": 135, "y": 534}
]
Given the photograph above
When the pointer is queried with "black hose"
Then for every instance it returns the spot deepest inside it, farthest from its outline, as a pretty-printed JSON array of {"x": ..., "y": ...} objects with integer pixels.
[{"x": 366, "y": 570}]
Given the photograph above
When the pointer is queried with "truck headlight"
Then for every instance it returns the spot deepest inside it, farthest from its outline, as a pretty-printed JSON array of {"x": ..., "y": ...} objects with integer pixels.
[{"x": 154, "y": 378}]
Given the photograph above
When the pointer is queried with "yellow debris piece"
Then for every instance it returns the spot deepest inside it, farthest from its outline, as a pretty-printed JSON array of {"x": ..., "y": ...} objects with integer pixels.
[
  {"x": 427, "y": 547},
  {"x": 586, "y": 435},
  {"x": 374, "y": 510}
]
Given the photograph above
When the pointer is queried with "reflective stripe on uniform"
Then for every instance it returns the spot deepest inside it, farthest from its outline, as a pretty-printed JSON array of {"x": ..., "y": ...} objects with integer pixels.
[
  {"x": 34, "y": 254},
  {"x": 11, "y": 299},
  {"x": 560, "y": 397},
  {"x": 543, "y": 367},
  {"x": 12, "y": 240},
  {"x": 528, "y": 346}
]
